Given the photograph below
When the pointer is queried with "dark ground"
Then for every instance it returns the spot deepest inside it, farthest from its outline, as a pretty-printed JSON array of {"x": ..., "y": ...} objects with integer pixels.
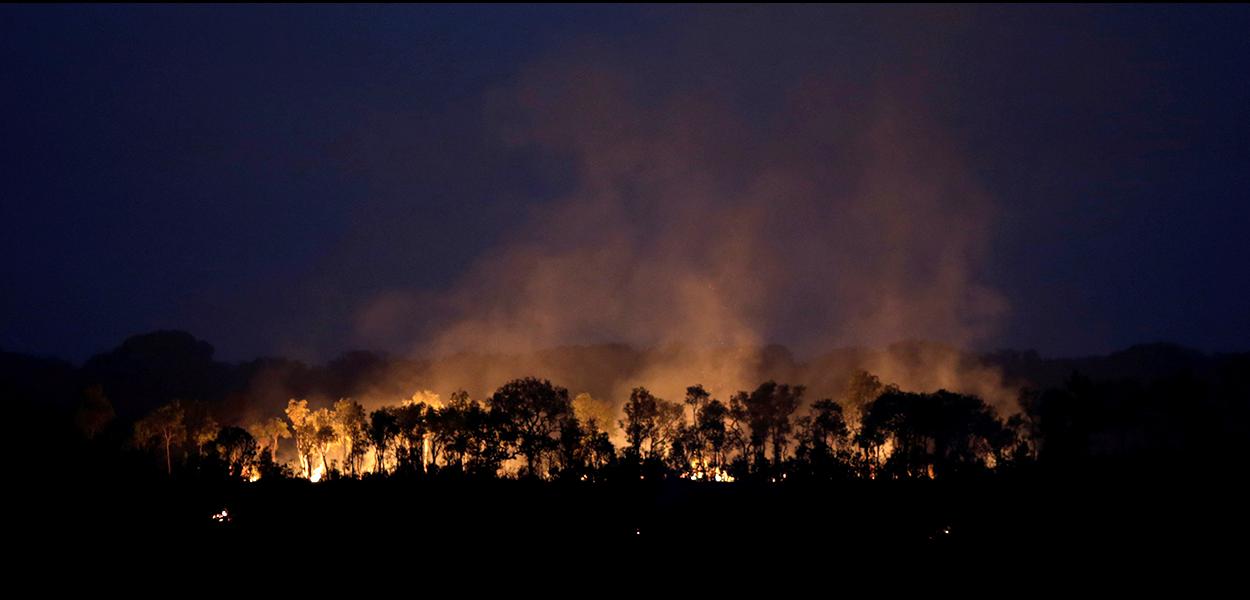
[{"x": 1121, "y": 519}]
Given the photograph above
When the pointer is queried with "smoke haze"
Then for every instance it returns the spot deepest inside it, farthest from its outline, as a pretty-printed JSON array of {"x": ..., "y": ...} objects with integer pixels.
[{"x": 706, "y": 220}]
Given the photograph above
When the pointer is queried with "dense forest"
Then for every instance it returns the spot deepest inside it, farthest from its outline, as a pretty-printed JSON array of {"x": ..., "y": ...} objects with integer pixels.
[{"x": 163, "y": 436}]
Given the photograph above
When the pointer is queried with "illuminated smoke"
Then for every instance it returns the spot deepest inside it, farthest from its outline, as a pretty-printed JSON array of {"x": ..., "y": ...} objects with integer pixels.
[{"x": 704, "y": 222}]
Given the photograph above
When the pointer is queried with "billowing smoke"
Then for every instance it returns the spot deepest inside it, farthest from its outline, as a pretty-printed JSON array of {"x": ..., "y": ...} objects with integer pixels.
[{"x": 705, "y": 218}]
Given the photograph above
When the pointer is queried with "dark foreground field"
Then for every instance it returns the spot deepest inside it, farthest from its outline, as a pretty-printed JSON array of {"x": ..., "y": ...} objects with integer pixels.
[{"x": 974, "y": 522}]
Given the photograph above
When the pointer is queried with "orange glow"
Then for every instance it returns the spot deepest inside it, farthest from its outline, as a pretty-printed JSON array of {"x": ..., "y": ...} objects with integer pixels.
[{"x": 699, "y": 471}]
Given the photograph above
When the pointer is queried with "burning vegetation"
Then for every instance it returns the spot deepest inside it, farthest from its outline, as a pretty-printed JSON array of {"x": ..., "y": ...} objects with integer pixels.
[
  {"x": 361, "y": 417},
  {"x": 532, "y": 460},
  {"x": 531, "y": 428}
]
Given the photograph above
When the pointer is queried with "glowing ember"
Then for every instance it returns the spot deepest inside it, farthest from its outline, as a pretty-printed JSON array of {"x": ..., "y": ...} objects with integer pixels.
[{"x": 222, "y": 517}]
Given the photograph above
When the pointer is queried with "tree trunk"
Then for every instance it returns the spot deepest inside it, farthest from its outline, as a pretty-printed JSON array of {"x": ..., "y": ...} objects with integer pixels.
[{"x": 169, "y": 466}]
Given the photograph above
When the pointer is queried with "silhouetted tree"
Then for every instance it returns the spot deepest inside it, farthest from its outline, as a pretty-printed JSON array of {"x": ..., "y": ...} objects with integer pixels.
[
  {"x": 738, "y": 434},
  {"x": 410, "y": 418},
  {"x": 383, "y": 429},
  {"x": 828, "y": 426},
  {"x": 451, "y": 429},
  {"x": 350, "y": 424},
  {"x": 768, "y": 411},
  {"x": 1008, "y": 446},
  {"x": 305, "y": 429},
  {"x": 324, "y": 436},
  {"x": 821, "y": 432},
  {"x": 165, "y": 427},
  {"x": 485, "y": 449},
  {"x": 861, "y": 389},
  {"x": 571, "y": 449},
  {"x": 269, "y": 432},
  {"x": 690, "y": 439},
  {"x": 531, "y": 412},
  {"x": 202, "y": 428},
  {"x": 237, "y": 448},
  {"x": 94, "y": 413},
  {"x": 639, "y": 424},
  {"x": 650, "y": 424},
  {"x": 597, "y": 448},
  {"x": 713, "y": 432},
  {"x": 932, "y": 433},
  {"x": 440, "y": 429},
  {"x": 1059, "y": 422}
]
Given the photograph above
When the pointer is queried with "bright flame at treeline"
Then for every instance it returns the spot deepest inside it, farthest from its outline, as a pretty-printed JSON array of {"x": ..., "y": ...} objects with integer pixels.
[{"x": 532, "y": 428}]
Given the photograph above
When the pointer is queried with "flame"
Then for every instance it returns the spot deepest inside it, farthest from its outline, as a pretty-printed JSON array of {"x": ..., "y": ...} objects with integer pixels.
[
  {"x": 251, "y": 474},
  {"x": 699, "y": 471},
  {"x": 317, "y": 473}
]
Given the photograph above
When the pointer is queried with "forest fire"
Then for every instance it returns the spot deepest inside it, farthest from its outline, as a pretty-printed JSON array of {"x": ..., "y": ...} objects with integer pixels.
[
  {"x": 701, "y": 471},
  {"x": 529, "y": 428},
  {"x": 793, "y": 285}
]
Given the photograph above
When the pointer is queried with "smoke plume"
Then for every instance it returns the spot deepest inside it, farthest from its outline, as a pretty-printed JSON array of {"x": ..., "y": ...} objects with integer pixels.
[{"x": 705, "y": 218}]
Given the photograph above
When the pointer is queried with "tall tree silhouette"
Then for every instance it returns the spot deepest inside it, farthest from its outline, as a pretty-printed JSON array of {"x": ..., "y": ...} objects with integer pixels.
[
  {"x": 237, "y": 448},
  {"x": 202, "y": 428},
  {"x": 165, "y": 427},
  {"x": 383, "y": 429},
  {"x": 713, "y": 432},
  {"x": 451, "y": 429},
  {"x": 305, "y": 430},
  {"x": 350, "y": 425},
  {"x": 650, "y": 424},
  {"x": 821, "y": 432},
  {"x": 269, "y": 432},
  {"x": 531, "y": 411},
  {"x": 410, "y": 419},
  {"x": 768, "y": 411},
  {"x": 691, "y": 437}
]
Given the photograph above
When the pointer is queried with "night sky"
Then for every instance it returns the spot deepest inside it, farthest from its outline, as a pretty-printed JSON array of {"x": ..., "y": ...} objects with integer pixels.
[{"x": 304, "y": 180}]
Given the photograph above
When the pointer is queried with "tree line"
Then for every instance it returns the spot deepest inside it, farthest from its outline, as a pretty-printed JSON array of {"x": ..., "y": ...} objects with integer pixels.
[
  {"x": 530, "y": 428},
  {"x": 1146, "y": 407}
]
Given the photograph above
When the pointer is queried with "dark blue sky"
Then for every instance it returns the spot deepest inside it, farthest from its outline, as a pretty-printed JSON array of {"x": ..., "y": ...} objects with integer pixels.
[{"x": 257, "y": 175}]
